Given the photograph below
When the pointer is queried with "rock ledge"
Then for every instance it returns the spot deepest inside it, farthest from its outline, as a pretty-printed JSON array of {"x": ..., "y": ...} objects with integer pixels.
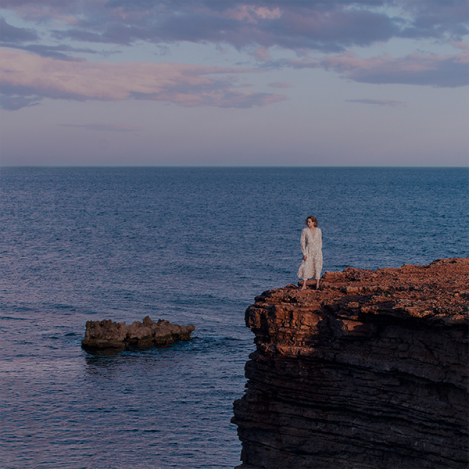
[
  {"x": 117, "y": 335},
  {"x": 370, "y": 372}
]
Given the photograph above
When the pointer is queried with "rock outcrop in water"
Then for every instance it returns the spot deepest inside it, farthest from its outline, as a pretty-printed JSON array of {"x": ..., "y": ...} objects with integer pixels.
[
  {"x": 117, "y": 335},
  {"x": 371, "y": 371}
]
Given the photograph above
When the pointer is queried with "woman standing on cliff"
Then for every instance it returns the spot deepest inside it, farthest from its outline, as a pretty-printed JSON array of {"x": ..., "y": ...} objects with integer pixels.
[{"x": 311, "y": 247}]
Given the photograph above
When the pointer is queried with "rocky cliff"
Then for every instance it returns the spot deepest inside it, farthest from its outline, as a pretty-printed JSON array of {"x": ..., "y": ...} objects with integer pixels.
[{"x": 371, "y": 371}]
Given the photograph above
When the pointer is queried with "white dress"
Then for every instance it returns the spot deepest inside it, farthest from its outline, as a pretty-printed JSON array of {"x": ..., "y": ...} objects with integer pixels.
[{"x": 312, "y": 248}]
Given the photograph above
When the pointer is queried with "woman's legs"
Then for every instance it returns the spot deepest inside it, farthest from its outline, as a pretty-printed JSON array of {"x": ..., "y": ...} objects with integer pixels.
[{"x": 304, "y": 284}]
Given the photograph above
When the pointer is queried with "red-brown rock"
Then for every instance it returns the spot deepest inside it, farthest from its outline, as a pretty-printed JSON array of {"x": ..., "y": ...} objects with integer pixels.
[
  {"x": 117, "y": 335},
  {"x": 371, "y": 371}
]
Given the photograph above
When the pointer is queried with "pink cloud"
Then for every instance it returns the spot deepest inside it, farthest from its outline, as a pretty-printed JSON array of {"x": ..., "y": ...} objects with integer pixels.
[
  {"x": 128, "y": 16},
  {"x": 461, "y": 45},
  {"x": 268, "y": 13},
  {"x": 252, "y": 14},
  {"x": 262, "y": 54},
  {"x": 25, "y": 74}
]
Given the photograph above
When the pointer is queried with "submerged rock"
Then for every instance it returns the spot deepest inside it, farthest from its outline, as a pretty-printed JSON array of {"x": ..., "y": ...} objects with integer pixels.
[
  {"x": 371, "y": 371},
  {"x": 117, "y": 335}
]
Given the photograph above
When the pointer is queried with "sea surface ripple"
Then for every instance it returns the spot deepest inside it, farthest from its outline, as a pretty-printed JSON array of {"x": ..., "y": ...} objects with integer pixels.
[{"x": 190, "y": 245}]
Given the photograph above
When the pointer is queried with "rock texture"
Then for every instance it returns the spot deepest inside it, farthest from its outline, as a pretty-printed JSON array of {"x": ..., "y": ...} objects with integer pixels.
[
  {"x": 117, "y": 335},
  {"x": 371, "y": 371}
]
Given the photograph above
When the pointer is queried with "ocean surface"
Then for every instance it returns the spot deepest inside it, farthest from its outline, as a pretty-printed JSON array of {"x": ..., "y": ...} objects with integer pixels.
[{"x": 190, "y": 245}]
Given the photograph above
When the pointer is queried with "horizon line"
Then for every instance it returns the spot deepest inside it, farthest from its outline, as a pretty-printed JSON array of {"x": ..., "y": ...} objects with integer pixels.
[{"x": 227, "y": 166}]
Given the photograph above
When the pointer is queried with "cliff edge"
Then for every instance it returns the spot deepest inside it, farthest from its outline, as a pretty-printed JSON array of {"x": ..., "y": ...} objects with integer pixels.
[{"x": 371, "y": 371}]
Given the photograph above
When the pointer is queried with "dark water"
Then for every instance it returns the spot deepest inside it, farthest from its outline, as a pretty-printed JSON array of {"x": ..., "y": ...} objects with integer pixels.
[{"x": 191, "y": 246}]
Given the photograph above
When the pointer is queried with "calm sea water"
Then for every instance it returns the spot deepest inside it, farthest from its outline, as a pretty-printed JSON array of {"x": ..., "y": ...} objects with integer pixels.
[{"x": 191, "y": 245}]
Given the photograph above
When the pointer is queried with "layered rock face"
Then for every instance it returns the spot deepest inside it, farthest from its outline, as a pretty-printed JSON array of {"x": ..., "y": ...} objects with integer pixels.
[
  {"x": 117, "y": 335},
  {"x": 371, "y": 371}
]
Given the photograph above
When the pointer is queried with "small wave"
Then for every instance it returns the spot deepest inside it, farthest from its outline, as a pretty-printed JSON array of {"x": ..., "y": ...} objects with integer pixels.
[{"x": 13, "y": 318}]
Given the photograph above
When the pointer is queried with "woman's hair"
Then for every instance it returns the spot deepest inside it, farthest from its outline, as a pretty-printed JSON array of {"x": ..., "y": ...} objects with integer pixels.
[{"x": 313, "y": 219}]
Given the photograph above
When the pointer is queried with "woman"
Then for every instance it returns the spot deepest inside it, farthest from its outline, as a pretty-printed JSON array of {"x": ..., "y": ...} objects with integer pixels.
[{"x": 311, "y": 247}]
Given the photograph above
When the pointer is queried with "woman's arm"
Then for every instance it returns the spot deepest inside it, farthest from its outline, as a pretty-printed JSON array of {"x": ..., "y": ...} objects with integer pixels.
[{"x": 303, "y": 243}]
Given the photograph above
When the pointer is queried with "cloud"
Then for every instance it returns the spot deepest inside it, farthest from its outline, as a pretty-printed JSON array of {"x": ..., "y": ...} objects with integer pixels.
[
  {"x": 13, "y": 103},
  {"x": 449, "y": 71},
  {"x": 378, "y": 102},
  {"x": 327, "y": 26},
  {"x": 262, "y": 54},
  {"x": 105, "y": 127},
  {"x": 414, "y": 69},
  {"x": 435, "y": 19},
  {"x": 461, "y": 45},
  {"x": 55, "y": 52},
  {"x": 330, "y": 29},
  {"x": 12, "y": 34},
  {"x": 26, "y": 75},
  {"x": 281, "y": 84},
  {"x": 44, "y": 10},
  {"x": 260, "y": 26}
]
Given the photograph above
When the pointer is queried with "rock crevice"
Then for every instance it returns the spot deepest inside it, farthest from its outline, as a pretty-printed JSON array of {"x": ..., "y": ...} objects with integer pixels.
[{"x": 371, "y": 371}]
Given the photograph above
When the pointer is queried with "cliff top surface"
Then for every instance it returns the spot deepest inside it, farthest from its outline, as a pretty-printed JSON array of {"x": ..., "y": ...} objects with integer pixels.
[{"x": 435, "y": 292}]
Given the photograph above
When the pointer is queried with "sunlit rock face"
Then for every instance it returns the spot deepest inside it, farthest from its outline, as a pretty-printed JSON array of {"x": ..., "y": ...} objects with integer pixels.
[
  {"x": 118, "y": 336},
  {"x": 371, "y": 371}
]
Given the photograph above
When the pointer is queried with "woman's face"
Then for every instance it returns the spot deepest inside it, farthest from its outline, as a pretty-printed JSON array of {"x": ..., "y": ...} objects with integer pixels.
[{"x": 310, "y": 223}]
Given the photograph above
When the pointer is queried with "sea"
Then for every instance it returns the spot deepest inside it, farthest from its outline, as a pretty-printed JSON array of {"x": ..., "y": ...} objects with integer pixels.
[{"x": 192, "y": 246}]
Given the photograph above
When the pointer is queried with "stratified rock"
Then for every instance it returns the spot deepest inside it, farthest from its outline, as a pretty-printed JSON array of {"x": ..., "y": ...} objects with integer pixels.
[
  {"x": 371, "y": 371},
  {"x": 117, "y": 335}
]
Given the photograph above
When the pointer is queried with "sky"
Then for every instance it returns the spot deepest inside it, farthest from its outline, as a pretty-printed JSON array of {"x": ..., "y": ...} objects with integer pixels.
[{"x": 234, "y": 83}]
